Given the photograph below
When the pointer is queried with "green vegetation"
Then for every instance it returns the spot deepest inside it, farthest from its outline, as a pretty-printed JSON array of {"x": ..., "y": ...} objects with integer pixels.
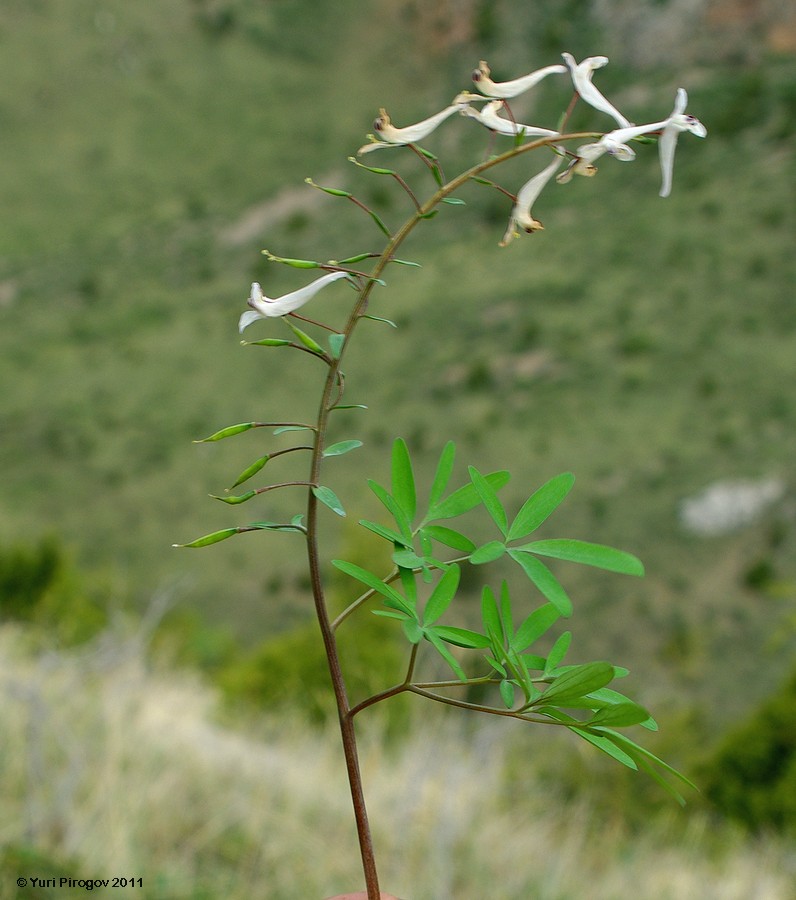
[
  {"x": 109, "y": 768},
  {"x": 752, "y": 775},
  {"x": 151, "y": 152}
]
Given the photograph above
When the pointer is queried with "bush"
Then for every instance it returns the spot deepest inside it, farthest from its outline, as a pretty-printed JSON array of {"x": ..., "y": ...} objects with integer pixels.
[
  {"x": 752, "y": 775},
  {"x": 37, "y": 585}
]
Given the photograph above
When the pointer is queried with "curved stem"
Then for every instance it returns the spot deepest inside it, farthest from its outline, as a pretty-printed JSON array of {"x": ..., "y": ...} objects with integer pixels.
[{"x": 478, "y": 707}]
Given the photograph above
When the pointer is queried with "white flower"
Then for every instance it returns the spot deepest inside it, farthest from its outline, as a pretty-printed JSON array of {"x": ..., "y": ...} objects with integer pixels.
[
  {"x": 263, "y": 307},
  {"x": 615, "y": 142},
  {"x": 667, "y": 142},
  {"x": 581, "y": 77},
  {"x": 398, "y": 137},
  {"x": 521, "y": 213},
  {"x": 577, "y": 166},
  {"x": 488, "y": 116},
  {"x": 506, "y": 89}
]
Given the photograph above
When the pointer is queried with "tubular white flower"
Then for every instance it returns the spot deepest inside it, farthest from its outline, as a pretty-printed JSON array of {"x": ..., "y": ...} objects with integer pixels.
[
  {"x": 521, "y": 213},
  {"x": 581, "y": 77},
  {"x": 263, "y": 307},
  {"x": 398, "y": 137},
  {"x": 667, "y": 143},
  {"x": 506, "y": 89},
  {"x": 488, "y": 116},
  {"x": 615, "y": 142}
]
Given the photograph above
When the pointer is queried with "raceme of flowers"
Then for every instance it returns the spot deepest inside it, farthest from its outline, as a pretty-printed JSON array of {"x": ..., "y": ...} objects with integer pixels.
[{"x": 494, "y": 95}]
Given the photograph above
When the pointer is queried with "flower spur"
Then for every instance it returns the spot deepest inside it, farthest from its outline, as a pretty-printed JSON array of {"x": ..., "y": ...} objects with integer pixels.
[
  {"x": 507, "y": 89},
  {"x": 263, "y": 307},
  {"x": 410, "y": 134}
]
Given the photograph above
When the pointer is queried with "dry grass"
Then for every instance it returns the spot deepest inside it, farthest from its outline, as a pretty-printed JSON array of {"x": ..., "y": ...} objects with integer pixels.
[{"x": 127, "y": 771}]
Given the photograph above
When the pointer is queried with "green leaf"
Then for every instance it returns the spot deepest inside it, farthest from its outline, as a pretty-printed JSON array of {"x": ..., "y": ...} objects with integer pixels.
[
  {"x": 643, "y": 764},
  {"x": 533, "y": 661},
  {"x": 409, "y": 585},
  {"x": 620, "y": 715},
  {"x": 208, "y": 539},
  {"x": 403, "y": 479},
  {"x": 393, "y": 508},
  {"x": 498, "y": 667},
  {"x": 335, "y": 192},
  {"x": 229, "y": 431},
  {"x": 442, "y": 595},
  {"x": 268, "y": 342},
  {"x": 537, "y": 623},
  {"x": 336, "y": 342},
  {"x": 284, "y": 429},
  {"x": 412, "y": 630},
  {"x": 491, "y": 617},
  {"x": 232, "y": 500},
  {"x": 351, "y": 259},
  {"x": 405, "y": 262},
  {"x": 544, "y": 579},
  {"x": 375, "y": 169},
  {"x": 432, "y": 636},
  {"x": 448, "y": 537},
  {"x": 557, "y": 652},
  {"x": 408, "y": 559},
  {"x": 349, "y": 406},
  {"x": 644, "y": 756},
  {"x": 391, "y": 614},
  {"x": 465, "y": 498},
  {"x": 588, "y": 554},
  {"x": 293, "y": 263},
  {"x": 443, "y": 473},
  {"x": 490, "y": 499},
  {"x": 578, "y": 682},
  {"x": 462, "y": 637},
  {"x": 387, "y": 533},
  {"x": 488, "y": 553},
  {"x": 540, "y": 505},
  {"x": 454, "y": 201},
  {"x": 309, "y": 343},
  {"x": 506, "y": 618},
  {"x": 384, "y": 229},
  {"x": 381, "y": 319},
  {"x": 251, "y": 470},
  {"x": 507, "y": 693},
  {"x": 328, "y": 497},
  {"x": 295, "y": 525},
  {"x": 396, "y": 601},
  {"x": 639, "y": 757},
  {"x": 605, "y": 697},
  {"x": 342, "y": 447},
  {"x": 604, "y": 743}
]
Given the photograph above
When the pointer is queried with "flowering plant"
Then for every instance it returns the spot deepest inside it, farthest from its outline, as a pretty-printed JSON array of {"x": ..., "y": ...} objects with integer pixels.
[{"x": 502, "y": 656}]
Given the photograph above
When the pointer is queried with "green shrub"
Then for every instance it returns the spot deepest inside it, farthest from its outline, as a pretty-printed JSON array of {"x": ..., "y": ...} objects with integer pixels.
[
  {"x": 752, "y": 775},
  {"x": 38, "y": 585}
]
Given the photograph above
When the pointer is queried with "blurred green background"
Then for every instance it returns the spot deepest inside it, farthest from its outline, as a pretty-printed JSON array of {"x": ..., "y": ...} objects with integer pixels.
[{"x": 151, "y": 151}]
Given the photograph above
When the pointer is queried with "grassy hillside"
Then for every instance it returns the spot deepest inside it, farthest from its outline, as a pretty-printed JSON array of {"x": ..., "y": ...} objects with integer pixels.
[
  {"x": 110, "y": 769},
  {"x": 646, "y": 345}
]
